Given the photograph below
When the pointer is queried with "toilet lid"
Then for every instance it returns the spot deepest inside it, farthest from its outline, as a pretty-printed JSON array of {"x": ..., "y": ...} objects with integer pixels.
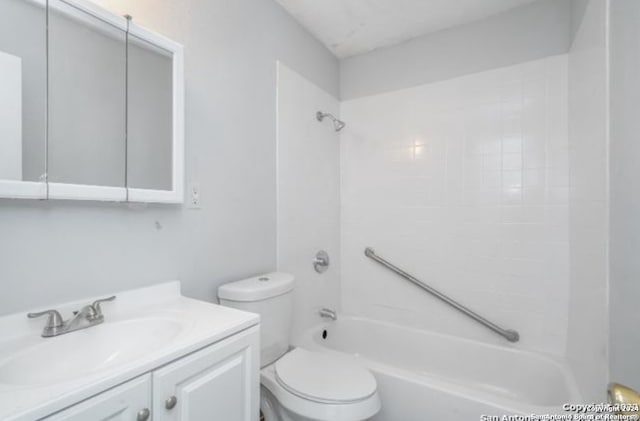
[{"x": 323, "y": 377}]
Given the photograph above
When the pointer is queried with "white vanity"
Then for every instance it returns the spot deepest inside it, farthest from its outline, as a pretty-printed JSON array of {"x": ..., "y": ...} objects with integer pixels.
[{"x": 157, "y": 355}]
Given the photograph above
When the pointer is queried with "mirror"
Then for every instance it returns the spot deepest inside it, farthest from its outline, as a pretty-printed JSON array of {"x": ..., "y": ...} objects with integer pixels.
[
  {"x": 155, "y": 141},
  {"x": 87, "y": 101},
  {"x": 23, "y": 70},
  {"x": 91, "y": 108},
  {"x": 150, "y": 123}
]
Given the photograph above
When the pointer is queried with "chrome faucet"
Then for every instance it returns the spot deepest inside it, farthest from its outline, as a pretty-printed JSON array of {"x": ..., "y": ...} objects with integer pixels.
[
  {"x": 327, "y": 313},
  {"x": 87, "y": 316}
]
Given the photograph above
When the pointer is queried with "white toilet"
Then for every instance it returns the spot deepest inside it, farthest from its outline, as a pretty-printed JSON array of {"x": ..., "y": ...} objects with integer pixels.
[{"x": 297, "y": 384}]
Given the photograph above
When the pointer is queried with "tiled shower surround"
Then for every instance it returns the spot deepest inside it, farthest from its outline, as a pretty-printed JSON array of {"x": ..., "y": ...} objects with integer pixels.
[
  {"x": 463, "y": 183},
  {"x": 308, "y": 195}
]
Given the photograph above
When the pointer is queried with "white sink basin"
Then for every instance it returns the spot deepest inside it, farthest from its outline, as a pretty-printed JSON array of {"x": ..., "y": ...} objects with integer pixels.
[
  {"x": 86, "y": 352},
  {"x": 144, "y": 329}
]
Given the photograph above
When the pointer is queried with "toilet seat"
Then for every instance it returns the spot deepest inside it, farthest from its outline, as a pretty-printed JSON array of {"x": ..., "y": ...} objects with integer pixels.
[
  {"x": 323, "y": 377},
  {"x": 336, "y": 398}
]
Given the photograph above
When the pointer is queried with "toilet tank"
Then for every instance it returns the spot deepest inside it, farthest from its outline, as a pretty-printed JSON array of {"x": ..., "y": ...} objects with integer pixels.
[{"x": 271, "y": 296}]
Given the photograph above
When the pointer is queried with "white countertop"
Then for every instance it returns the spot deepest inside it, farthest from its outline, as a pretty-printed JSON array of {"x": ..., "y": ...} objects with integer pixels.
[{"x": 202, "y": 324}]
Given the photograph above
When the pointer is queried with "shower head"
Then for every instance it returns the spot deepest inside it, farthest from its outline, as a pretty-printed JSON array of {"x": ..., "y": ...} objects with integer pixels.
[{"x": 337, "y": 124}]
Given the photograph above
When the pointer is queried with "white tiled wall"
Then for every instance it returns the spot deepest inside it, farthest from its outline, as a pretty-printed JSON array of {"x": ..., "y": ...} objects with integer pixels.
[
  {"x": 463, "y": 183},
  {"x": 308, "y": 194}
]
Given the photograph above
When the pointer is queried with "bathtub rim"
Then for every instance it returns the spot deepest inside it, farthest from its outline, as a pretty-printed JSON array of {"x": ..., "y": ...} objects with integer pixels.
[{"x": 307, "y": 339}]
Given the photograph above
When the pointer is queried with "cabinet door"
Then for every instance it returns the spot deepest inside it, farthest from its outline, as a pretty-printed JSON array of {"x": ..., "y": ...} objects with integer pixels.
[
  {"x": 220, "y": 382},
  {"x": 127, "y": 402}
]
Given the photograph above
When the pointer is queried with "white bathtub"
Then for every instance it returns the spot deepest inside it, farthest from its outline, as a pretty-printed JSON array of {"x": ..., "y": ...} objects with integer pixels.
[{"x": 426, "y": 376}]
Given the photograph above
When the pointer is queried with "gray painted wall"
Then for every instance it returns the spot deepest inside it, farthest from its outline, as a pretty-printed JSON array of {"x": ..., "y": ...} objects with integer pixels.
[
  {"x": 53, "y": 251},
  {"x": 625, "y": 192},
  {"x": 526, "y": 33}
]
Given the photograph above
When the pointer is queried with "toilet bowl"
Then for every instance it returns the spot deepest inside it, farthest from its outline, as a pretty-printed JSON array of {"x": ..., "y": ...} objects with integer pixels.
[
  {"x": 305, "y": 385},
  {"x": 297, "y": 384}
]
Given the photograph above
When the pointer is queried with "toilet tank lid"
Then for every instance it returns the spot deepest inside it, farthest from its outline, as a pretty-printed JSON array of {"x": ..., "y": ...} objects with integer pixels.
[{"x": 257, "y": 288}]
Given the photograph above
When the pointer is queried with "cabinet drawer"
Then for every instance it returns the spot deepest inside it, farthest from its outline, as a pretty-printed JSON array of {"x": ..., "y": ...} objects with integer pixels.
[{"x": 122, "y": 403}]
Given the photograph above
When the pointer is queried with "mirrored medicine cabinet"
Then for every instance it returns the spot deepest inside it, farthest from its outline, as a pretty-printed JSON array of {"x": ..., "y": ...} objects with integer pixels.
[{"x": 91, "y": 105}]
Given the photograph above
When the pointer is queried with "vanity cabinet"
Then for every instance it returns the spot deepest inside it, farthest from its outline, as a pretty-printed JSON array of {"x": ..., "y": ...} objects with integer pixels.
[
  {"x": 218, "y": 382},
  {"x": 215, "y": 383}
]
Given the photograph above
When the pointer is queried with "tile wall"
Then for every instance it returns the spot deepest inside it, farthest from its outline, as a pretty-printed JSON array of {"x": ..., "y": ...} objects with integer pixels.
[
  {"x": 463, "y": 183},
  {"x": 308, "y": 194}
]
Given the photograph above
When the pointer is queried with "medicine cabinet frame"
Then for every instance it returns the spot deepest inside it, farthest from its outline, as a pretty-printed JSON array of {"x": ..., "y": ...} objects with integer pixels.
[{"x": 82, "y": 10}]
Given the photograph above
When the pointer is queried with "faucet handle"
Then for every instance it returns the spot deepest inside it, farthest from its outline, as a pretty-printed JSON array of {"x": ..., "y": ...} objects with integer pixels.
[
  {"x": 96, "y": 304},
  {"x": 54, "y": 320}
]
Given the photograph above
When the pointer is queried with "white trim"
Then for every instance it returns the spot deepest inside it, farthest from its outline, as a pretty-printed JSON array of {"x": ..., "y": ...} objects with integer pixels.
[
  {"x": 39, "y": 3},
  {"x": 279, "y": 66},
  {"x": 13, "y": 189},
  {"x": 154, "y": 196},
  {"x": 168, "y": 46},
  {"x": 87, "y": 192},
  {"x": 607, "y": 221},
  {"x": 82, "y": 11},
  {"x": 178, "y": 123}
]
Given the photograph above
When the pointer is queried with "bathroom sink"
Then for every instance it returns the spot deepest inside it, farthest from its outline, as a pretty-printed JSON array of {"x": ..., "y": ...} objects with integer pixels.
[
  {"x": 86, "y": 352},
  {"x": 143, "y": 330}
]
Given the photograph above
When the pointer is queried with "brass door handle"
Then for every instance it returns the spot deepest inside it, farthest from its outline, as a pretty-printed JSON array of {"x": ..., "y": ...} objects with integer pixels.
[{"x": 622, "y": 395}]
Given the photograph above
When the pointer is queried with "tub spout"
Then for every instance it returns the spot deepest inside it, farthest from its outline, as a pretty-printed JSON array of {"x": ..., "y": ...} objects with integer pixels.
[{"x": 328, "y": 314}]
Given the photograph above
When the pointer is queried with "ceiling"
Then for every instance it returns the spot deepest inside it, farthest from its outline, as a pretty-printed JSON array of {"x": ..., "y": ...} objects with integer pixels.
[{"x": 350, "y": 27}]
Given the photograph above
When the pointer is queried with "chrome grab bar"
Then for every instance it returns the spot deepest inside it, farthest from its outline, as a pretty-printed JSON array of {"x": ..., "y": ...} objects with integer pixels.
[{"x": 508, "y": 334}]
